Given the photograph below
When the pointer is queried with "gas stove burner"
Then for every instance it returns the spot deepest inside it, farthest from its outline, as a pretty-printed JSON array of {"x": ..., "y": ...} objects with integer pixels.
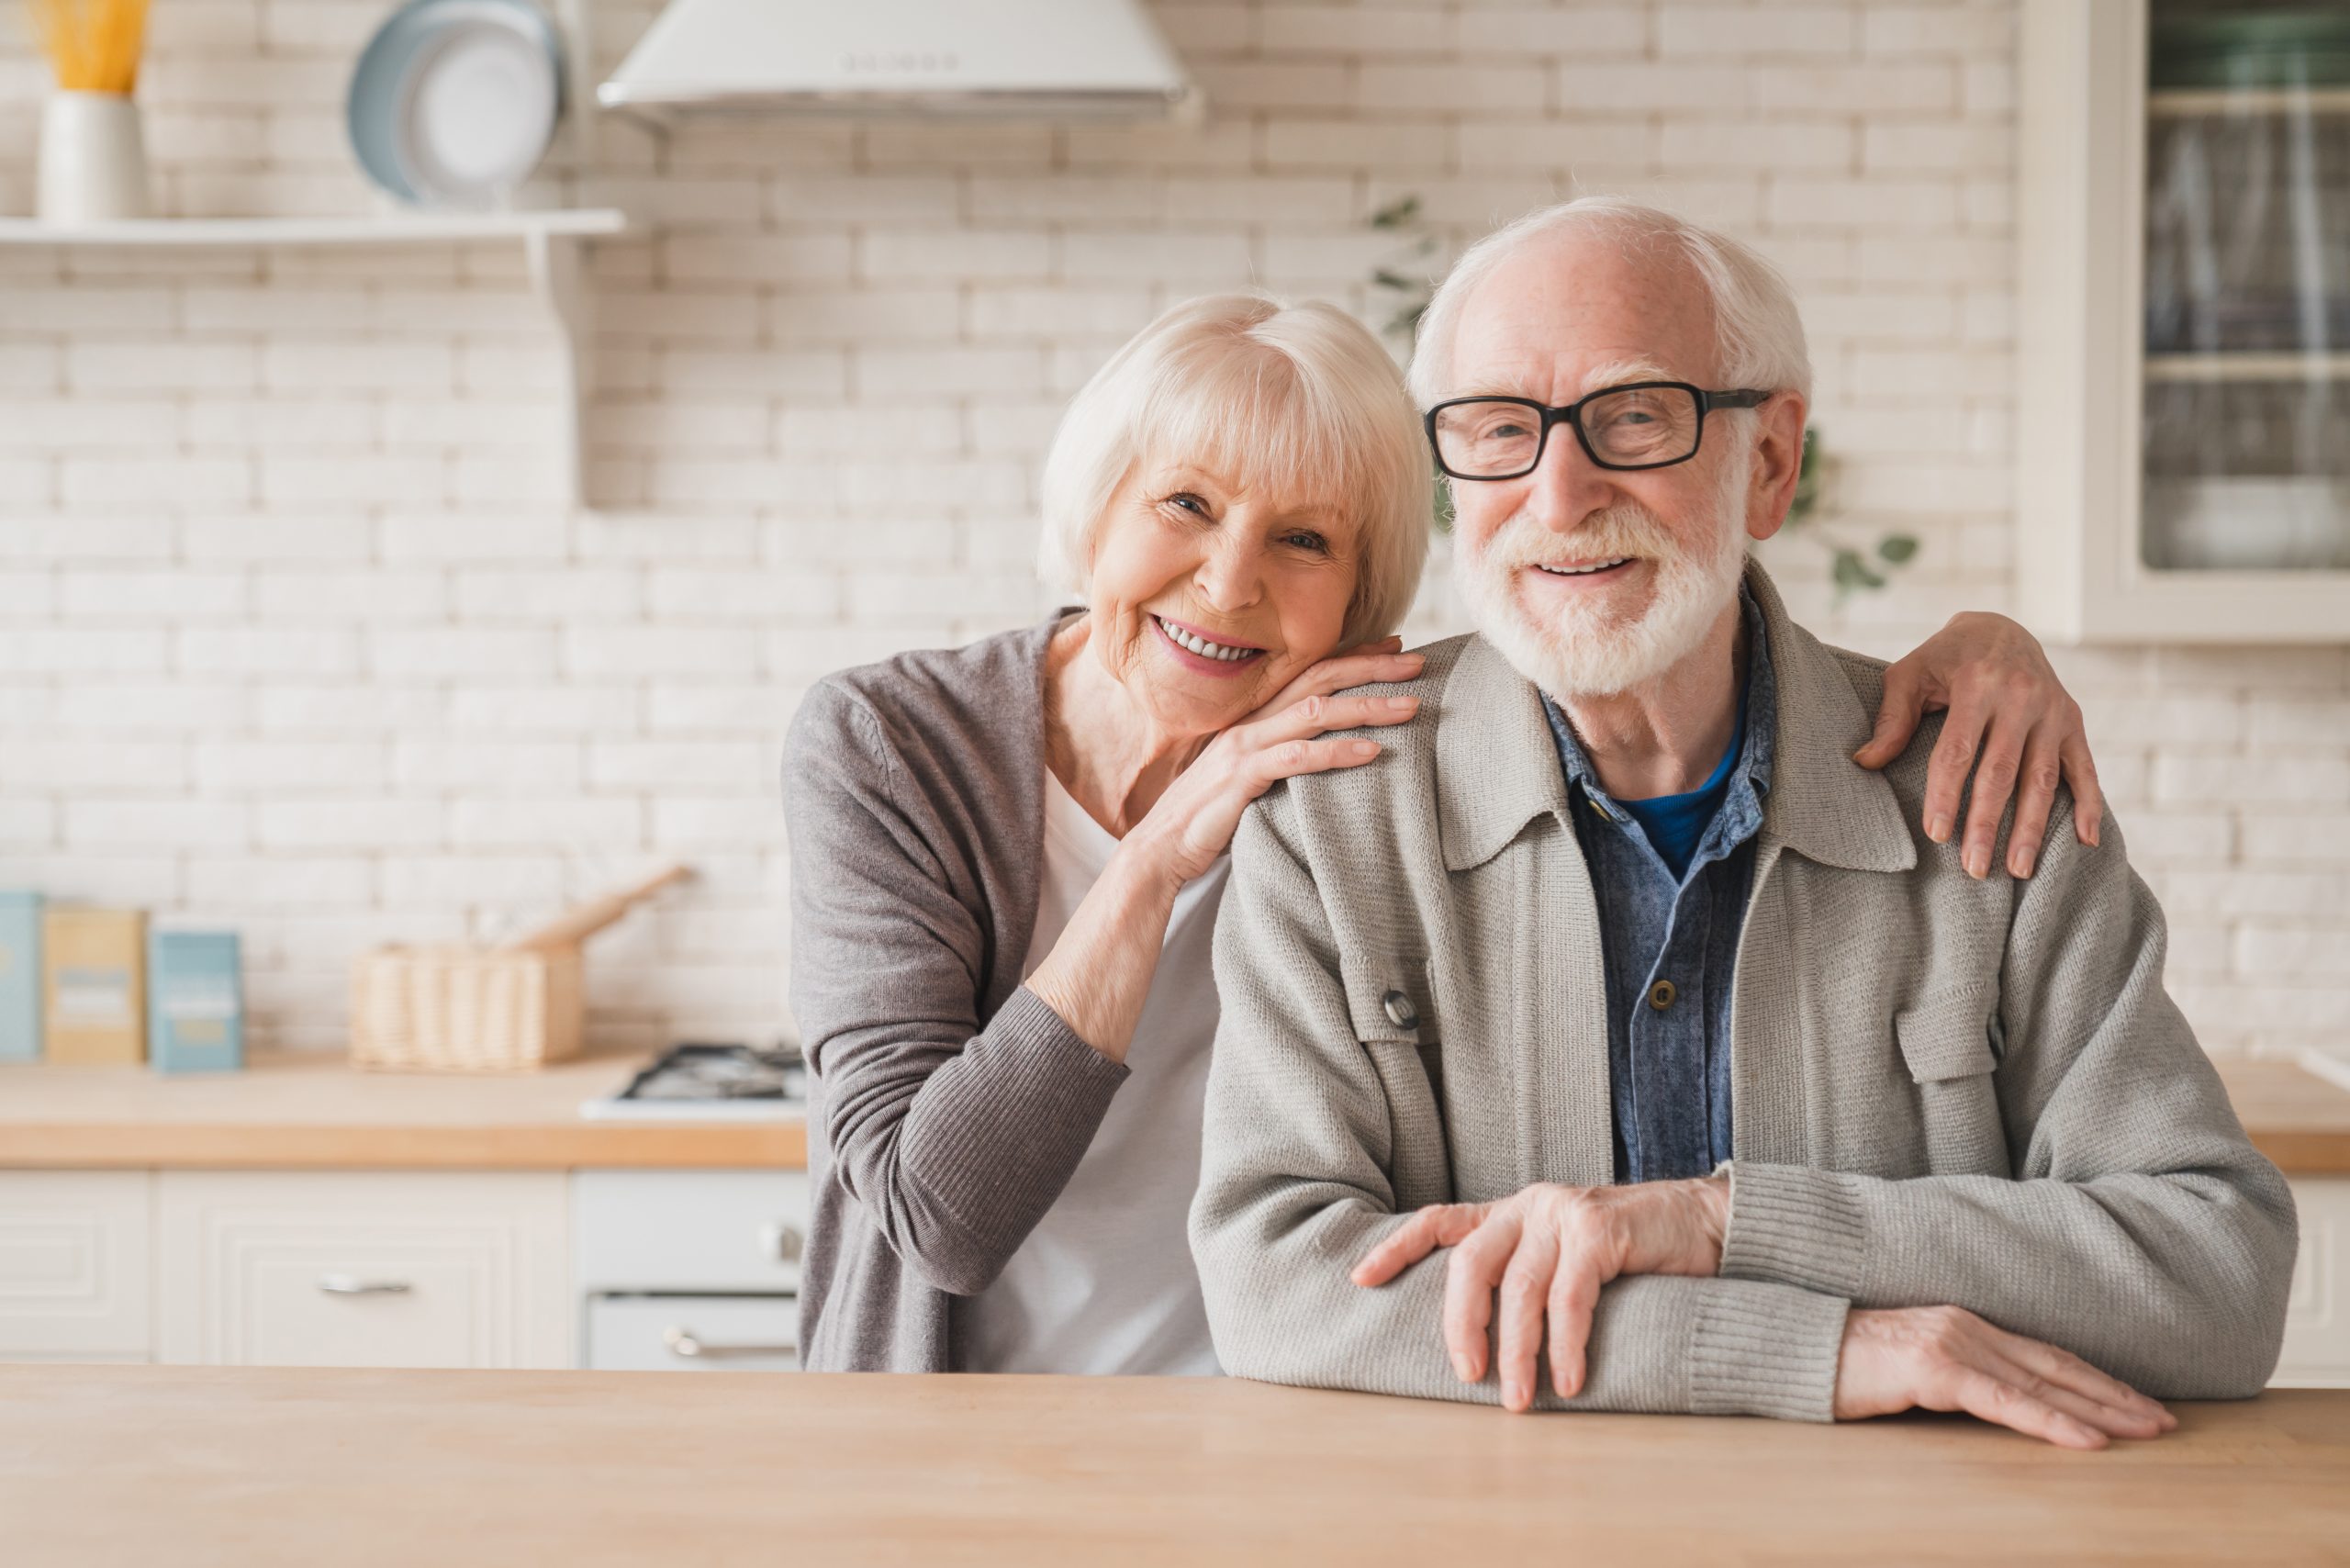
[
  {"x": 716, "y": 1072},
  {"x": 717, "y": 1081}
]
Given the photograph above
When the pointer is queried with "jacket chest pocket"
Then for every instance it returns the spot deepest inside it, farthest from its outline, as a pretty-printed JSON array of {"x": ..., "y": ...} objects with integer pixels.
[
  {"x": 1392, "y": 1007},
  {"x": 1947, "y": 1047}
]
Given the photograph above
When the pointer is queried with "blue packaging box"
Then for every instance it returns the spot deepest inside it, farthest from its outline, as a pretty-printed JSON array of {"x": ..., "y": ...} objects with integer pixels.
[
  {"x": 20, "y": 977},
  {"x": 195, "y": 1001}
]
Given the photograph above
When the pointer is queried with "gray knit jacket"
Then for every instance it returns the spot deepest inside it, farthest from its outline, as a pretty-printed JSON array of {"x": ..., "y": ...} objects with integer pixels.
[
  {"x": 949, "y": 1106},
  {"x": 1946, "y": 1091}
]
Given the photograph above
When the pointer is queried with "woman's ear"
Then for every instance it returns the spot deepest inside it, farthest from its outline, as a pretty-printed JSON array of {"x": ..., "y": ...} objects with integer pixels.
[{"x": 1777, "y": 464}]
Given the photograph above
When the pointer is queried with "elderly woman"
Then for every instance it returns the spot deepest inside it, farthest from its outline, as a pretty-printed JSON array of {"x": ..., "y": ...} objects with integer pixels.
[{"x": 1007, "y": 858}]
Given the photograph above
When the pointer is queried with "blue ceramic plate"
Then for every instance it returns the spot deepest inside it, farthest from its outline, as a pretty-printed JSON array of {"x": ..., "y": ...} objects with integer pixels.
[{"x": 452, "y": 102}]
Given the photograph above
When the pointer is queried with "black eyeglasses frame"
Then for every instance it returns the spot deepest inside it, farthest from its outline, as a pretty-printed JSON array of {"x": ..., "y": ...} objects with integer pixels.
[{"x": 1571, "y": 414}]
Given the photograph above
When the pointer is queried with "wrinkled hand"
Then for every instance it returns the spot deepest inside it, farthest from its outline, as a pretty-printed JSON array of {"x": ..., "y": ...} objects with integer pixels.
[
  {"x": 1193, "y": 822},
  {"x": 1548, "y": 1251},
  {"x": 1945, "y": 1358},
  {"x": 2006, "y": 704}
]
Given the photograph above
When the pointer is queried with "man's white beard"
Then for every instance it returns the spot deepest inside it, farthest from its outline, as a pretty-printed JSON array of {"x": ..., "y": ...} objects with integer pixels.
[{"x": 1594, "y": 652}]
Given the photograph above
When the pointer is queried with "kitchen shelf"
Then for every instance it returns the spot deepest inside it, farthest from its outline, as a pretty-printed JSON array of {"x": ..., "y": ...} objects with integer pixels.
[
  {"x": 2180, "y": 102},
  {"x": 423, "y": 229},
  {"x": 2247, "y": 366},
  {"x": 550, "y": 239}
]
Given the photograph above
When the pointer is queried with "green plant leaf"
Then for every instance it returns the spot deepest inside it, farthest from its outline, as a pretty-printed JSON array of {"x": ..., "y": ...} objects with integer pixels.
[
  {"x": 1852, "y": 572},
  {"x": 1896, "y": 547},
  {"x": 1397, "y": 213},
  {"x": 1407, "y": 320},
  {"x": 1807, "y": 496},
  {"x": 1386, "y": 279}
]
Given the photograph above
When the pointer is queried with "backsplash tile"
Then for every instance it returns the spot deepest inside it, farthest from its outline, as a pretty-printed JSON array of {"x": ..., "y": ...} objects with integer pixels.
[{"x": 296, "y": 638}]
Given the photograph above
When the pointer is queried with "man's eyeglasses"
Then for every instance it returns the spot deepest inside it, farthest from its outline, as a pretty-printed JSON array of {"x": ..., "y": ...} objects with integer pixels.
[{"x": 1641, "y": 424}]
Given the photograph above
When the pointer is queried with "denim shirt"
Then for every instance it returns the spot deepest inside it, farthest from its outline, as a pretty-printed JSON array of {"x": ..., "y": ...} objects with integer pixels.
[{"x": 1671, "y": 945}]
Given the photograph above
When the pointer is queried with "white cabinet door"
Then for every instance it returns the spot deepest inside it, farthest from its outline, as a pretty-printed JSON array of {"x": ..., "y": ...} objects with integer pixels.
[
  {"x": 2317, "y": 1320},
  {"x": 406, "y": 1270},
  {"x": 2179, "y": 455},
  {"x": 73, "y": 1265}
]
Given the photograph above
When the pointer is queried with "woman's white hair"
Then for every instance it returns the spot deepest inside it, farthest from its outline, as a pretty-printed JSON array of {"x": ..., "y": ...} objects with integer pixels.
[
  {"x": 1300, "y": 399},
  {"x": 1757, "y": 328}
]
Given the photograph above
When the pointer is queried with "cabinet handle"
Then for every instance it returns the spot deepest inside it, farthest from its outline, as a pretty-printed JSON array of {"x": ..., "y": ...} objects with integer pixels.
[
  {"x": 683, "y": 1341},
  {"x": 351, "y": 1284},
  {"x": 782, "y": 1242}
]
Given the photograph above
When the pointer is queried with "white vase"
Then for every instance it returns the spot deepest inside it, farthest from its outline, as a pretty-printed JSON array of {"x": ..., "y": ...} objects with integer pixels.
[{"x": 93, "y": 159}]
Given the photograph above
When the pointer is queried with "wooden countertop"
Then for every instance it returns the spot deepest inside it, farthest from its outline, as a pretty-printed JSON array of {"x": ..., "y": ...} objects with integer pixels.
[
  {"x": 2296, "y": 1118},
  {"x": 311, "y": 1110},
  {"x": 249, "y": 1468}
]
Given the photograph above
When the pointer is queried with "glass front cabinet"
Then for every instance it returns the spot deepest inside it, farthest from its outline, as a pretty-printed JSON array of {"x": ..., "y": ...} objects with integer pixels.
[{"x": 2183, "y": 326}]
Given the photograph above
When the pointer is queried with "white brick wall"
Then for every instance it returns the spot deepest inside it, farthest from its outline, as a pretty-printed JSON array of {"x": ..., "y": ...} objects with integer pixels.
[{"x": 292, "y": 637}]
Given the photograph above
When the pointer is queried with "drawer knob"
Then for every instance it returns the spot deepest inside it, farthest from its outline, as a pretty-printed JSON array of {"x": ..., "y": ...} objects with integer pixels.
[
  {"x": 683, "y": 1341},
  {"x": 781, "y": 1242},
  {"x": 351, "y": 1284}
]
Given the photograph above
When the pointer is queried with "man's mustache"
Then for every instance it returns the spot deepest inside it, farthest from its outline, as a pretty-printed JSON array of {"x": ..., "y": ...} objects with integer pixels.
[{"x": 1620, "y": 530}]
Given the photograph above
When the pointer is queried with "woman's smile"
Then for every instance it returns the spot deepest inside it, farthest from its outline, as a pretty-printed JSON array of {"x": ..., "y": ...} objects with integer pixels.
[{"x": 1195, "y": 650}]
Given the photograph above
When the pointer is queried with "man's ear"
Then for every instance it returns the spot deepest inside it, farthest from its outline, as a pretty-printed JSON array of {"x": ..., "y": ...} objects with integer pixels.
[{"x": 1777, "y": 462}]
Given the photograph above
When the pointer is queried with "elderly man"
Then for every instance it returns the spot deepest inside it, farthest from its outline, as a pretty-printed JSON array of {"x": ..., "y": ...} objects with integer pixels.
[{"x": 1616, "y": 1019}]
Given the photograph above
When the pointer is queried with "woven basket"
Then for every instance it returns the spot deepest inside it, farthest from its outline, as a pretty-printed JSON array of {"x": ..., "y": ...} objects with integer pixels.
[
  {"x": 461, "y": 1009},
  {"x": 469, "y": 1009}
]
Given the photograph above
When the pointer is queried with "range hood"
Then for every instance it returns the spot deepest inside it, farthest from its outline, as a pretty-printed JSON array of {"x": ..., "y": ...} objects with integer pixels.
[{"x": 1023, "y": 58}]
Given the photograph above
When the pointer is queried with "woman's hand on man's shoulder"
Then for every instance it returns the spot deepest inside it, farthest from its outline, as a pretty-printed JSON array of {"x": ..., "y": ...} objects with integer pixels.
[{"x": 1293, "y": 733}]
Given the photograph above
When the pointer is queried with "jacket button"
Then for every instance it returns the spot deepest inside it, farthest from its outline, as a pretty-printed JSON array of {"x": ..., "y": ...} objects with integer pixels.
[
  {"x": 1661, "y": 995},
  {"x": 1400, "y": 1011}
]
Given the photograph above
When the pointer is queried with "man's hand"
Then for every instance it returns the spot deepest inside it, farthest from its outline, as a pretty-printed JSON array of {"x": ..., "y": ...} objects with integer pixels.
[
  {"x": 1548, "y": 1251},
  {"x": 1945, "y": 1358}
]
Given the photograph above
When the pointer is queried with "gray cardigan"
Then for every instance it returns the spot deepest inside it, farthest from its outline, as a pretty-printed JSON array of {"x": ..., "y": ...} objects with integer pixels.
[
  {"x": 1947, "y": 1091},
  {"x": 949, "y": 1106}
]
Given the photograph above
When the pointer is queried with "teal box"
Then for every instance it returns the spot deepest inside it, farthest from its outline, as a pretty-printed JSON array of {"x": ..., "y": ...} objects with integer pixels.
[
  {"x": 195, "y": 1001},
  {"x": 20, "y": 977}
]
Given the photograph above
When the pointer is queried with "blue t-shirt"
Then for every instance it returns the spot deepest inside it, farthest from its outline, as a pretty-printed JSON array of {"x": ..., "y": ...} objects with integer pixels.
[{"x": 1675, "y": 823}]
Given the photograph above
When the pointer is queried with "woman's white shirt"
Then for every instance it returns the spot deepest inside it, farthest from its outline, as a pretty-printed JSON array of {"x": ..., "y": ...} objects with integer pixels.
[{"x": 1105, "y": 1284}]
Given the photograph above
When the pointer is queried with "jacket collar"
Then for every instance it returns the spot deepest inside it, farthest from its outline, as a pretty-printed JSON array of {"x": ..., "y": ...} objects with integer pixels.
[{"x": 1497, "y": 767}]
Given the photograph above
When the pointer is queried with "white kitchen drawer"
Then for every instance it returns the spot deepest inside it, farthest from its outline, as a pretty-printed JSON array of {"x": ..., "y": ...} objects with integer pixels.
[
  {"x": 693, "y": 1333},
  {"x": 349, "y": 1269},
  {"x": 688, "y": 1230},
  {"x": 73, "y": 1268},
  {"x": 2317, "y": 1321}
]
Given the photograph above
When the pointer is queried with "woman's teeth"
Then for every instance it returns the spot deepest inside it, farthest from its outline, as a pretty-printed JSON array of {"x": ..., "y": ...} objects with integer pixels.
[
  {"x": 1202, "y": 646},
  {"x": 1582, "y": 571}
]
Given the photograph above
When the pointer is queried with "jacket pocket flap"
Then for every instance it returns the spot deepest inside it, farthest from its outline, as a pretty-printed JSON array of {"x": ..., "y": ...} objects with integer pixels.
[
  {"x": 1388, "y": 998},
  {"x": 1946, "y": 1039}
]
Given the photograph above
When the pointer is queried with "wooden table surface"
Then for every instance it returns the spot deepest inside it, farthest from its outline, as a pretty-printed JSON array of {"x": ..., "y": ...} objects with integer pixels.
[
  {"x": 195, "y": 1466},
  {"x": 312, "y": 1110}
]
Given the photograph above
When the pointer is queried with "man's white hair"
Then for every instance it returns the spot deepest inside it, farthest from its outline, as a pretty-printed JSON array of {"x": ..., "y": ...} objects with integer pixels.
[
  {"x": 1757, "y": 329},
  {"x": 1299, "y": 400}
]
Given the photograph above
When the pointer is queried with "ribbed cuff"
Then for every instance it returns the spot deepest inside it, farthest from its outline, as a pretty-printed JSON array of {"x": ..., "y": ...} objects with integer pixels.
[
  {"x": 1053, "y": 1056},
  {"x": 1001, "y": 1139},
  {"x": 1760, "y": 1349},
  {"x": 1790, "y": 1225}
]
